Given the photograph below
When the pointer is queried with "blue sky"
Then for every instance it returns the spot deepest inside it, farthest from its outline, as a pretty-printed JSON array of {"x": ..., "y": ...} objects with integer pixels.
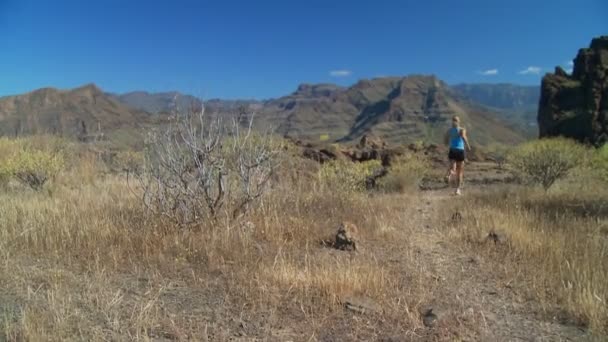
[{"x": 262, "y": 49}]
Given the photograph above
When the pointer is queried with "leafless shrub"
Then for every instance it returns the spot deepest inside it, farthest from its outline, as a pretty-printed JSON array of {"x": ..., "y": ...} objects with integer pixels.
[{"x": 200, "y": 168}]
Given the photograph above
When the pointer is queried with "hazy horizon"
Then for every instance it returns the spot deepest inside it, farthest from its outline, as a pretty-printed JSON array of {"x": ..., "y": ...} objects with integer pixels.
[{"x": 162, "y": 91}]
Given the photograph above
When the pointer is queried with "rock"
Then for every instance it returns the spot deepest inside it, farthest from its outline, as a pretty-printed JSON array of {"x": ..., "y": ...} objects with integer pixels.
[
  {"x": 371, "y": 181},
  {"x": 429, "y": 318},
  {"x": 347, "y": 237},
  {"x": 497, "y": 237},
  {"x": 560, "y": 72},
  {"x": 321, "y": 156},
  {"x": 362, "y": 305},
  {"x": 576, "y": 106},
  {"x": 367, "y": 154},
  {"x": 437, "y": 278},
  {"x": 367, "y": 141}
]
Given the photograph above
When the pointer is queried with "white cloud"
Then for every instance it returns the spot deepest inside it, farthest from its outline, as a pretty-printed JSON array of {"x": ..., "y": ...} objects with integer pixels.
[
  {"x": 531, "y": 70},
  {"x": 570, "y": 66},
  {"x": 340, "y": 73},
  {"x": 489, "y": 72}
]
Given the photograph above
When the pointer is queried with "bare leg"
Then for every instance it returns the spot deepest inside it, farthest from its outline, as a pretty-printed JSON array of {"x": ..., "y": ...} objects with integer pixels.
[
  {"x": 460, "y": 173},
  {"x": 451, "y": 171}
]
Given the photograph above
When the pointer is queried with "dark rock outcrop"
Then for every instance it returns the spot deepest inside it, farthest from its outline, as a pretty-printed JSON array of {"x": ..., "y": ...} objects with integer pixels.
[
  {"x": 320, "y": 156},
  {"x": 370, "y": 148},
  {"x": 576, "y": 105},
  {"x": 347, "y": 237}
]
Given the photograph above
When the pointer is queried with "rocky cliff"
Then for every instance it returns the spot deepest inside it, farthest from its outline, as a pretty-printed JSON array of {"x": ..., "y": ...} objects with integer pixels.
[{"x": 576, "y": 105}]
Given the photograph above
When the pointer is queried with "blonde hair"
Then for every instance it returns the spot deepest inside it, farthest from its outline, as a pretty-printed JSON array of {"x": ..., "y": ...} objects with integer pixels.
[{"x": 455, "y": 118}]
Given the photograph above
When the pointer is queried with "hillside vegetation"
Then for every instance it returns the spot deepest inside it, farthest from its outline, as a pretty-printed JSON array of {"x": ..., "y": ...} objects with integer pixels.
[{"x": 84, "y": 258}]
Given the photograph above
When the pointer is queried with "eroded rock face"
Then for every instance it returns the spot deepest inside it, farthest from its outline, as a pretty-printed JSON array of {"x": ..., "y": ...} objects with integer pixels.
[{"x": 576, "y": 105}]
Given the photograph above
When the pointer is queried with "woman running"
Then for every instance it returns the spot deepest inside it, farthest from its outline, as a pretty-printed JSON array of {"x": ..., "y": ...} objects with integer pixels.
[{"x": 456, "y": 139}]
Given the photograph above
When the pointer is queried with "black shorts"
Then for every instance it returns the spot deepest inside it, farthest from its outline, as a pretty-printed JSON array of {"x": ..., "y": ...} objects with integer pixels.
[{"x": 457, "y": 155}]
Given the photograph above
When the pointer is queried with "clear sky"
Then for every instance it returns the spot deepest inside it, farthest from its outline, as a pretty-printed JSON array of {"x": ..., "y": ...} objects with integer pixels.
[{"x": 263, "y": 48}]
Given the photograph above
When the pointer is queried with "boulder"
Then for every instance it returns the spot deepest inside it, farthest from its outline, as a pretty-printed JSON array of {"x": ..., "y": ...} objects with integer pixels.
[
  {"x": 374, "y": 143},
  {"x": 429, "y": 318},
  {"x": 318, "y": 155},
  {"x": 347, "y": 237},
  {"x": 576, "y": 105}
]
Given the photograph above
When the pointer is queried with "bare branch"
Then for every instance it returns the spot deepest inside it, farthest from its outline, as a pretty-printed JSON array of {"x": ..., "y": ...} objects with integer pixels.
[{"x": 197, "y": 170}]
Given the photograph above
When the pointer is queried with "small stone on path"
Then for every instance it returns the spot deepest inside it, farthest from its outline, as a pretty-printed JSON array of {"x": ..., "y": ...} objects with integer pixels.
[
  {"x": 362, "y": 305},
  {"x": 429, "y": 318}
]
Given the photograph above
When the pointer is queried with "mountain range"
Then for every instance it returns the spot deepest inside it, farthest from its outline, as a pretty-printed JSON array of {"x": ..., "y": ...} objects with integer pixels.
[
  {"x": 516, "y": 103},
  {"x": 72, "y": 112},
  {"x": 398, "y": 109}
]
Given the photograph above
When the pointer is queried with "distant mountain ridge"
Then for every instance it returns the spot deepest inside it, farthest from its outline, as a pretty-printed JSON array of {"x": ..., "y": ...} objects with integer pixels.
[
  {"x": 167, "y": 102},
  {"x": 74, "y": 112},
  {"x": 516, "y": 103},
  {"x": 501, "y": 95},
  {"x": 398, "y": 109},
  {"x": 155, "y": 103}
]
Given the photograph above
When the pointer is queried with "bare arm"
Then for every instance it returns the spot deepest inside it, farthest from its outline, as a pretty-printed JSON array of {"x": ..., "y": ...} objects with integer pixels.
[{"x": 465, "y": 138}]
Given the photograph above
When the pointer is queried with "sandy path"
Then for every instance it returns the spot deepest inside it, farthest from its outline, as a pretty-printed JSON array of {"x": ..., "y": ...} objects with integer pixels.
[{"x": 468, "y": 291}]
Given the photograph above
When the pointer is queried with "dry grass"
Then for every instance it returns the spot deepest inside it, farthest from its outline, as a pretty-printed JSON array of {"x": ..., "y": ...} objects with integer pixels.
[
  {"x": 84, "y": 261},
  {"x": 557, "y": 249}
]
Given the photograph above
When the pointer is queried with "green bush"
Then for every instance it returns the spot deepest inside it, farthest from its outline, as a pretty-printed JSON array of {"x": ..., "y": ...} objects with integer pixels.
[
  {"x": 5, "y": 175},
  {"x": 32, "y": 161},
  {"x": 347, "y": 176},
  {"x": 128, "y": 161},
  {"x": 7, "y": 148},
  {"x": 546, "y": 161},
  {"x": 405, "y": 173},
  {"x": 599, "y": 163},
  {"x": 499, "y": 153},
  {"x": 34, "y": 167}
]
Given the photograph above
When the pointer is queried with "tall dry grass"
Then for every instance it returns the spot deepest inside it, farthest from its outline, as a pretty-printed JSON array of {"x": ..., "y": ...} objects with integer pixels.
[
  {"x": 557, "y": 245},
  {"x": 85, "y": 261}
]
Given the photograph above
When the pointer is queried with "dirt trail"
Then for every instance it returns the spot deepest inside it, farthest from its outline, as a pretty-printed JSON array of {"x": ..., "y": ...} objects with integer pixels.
[{"x": 469, "y": 292}]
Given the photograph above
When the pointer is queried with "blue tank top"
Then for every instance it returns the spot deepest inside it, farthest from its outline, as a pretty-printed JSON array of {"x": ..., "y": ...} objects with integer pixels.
[{"x": 456, "y": 140}]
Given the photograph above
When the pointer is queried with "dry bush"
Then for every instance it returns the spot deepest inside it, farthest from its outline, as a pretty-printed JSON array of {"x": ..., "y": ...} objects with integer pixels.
[
  {"x": 346, "y": 176},
  {"x": 68, "y": 260},
  {"x": 200, "y": 169},
  {"x": 128, "y": 161},
  {"x": 405, "y": 173},
  {"x": 556, "y": 247},
  {"x": 546, "y": 161},
  {"x": 89, "y": 263}
]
